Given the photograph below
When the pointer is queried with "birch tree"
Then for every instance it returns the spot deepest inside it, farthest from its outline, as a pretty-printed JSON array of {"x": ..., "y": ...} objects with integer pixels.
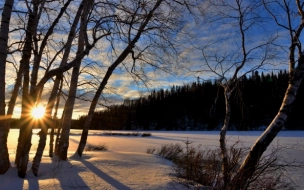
[
  {"x": 24, "y": 141},
  {"x": 29, "y": 95},
  {"x": 55, "y": 91},
  {"x": 234, "y": 52},
  {"x": 4, "y": 129},
  {"x": 32, "y": 52},
  {"x": 66, "y": 120},
  {"x": 140, "y": 19},
  {"x": 84, "y": 48},
  {"x": 293, "y": 23}
]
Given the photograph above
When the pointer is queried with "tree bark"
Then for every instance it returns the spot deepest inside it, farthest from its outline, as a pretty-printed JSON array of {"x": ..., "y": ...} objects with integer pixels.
[
  {"x": 55, "y": 121},
  {"x": 52, "y": 139},
  {"x": 15, "y": 92},
  {"x": 69, "y": 106},
  {"x": 225, "y": 164},
  {"x": 25, "y": 134},
  {"x": 41, "y": 145},
  {"x": 57, "y": 138},
  {"x": 4, "y": 129}
]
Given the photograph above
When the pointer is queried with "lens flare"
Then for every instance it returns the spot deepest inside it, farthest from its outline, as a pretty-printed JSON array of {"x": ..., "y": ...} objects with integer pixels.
[{"x": 38, "y": 112}]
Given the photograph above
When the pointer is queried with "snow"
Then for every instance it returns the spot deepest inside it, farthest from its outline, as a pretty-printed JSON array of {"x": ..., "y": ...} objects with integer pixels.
[{"x": 127, "y": 166}]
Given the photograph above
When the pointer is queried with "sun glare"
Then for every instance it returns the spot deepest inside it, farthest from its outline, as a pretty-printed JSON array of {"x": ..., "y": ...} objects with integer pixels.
[{"x": 38, "y": 112}]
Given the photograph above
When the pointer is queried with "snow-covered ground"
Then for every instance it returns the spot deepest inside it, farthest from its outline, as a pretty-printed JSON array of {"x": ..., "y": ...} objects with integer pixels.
[{"x": 127, "y": 166}]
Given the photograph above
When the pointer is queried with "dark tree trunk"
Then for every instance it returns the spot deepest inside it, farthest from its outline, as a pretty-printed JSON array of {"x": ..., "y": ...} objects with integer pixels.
[
  {"x": 4, "y": 127},
  {"x": 40, "y": 148}
]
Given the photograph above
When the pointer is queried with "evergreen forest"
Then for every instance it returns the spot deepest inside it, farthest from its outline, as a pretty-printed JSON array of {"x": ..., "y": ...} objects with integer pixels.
[{"x": 201, "y": 106}]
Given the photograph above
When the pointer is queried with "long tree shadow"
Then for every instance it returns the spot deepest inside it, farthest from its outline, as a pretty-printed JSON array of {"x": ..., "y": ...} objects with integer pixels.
[
  {"x": 11, "y": 177},
  {"x": 11, "y": 180},
  {"x": 32, "y": 180},
  {"x": 64, "y": 174},
  {"x": 116, "y": 184},
  {"x": 68, "y": 175}
]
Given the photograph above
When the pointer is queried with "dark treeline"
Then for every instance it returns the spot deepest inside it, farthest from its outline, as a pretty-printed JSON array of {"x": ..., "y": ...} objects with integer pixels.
[{"x": 200, "y": 106}]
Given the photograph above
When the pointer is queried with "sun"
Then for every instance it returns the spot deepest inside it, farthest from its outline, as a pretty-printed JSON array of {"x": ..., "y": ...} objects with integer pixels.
[{"x": 38, "y": 112}]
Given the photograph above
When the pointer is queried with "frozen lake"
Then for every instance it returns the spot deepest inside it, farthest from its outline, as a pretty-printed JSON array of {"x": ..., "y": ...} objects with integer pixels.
[{"x": 290, "y": 143}]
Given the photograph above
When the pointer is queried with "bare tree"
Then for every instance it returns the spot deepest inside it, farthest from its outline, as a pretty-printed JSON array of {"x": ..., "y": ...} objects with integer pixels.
[
  {"x": 99, "y": 30},
  {"x": 31, "y": 93},
  {"x": 30, "y": 97},
  {"x": 140, "y": 19},
  {"x": 4, "y": 129},
  {"x": 55, "y": 91},
  {"x": 294, "y": 12},
  {"x": 66, "y": 120},
  {"x": 237, "y": 21},
  {"x": 24, "y": 141}
]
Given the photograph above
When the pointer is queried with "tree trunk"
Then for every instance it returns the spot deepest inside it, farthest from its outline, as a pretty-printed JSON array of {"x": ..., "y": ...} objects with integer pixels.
[
  {"x": 55, "y": 90},
  {"x": 4, "y": 156},
  {"x": 57, "y": 139},
  {"x": 24, "y": 146},
  {"x": 54, "y": 121},
  {"x": 4, "y": 129},
  {"x": 69, "y": 106},
  {"x": 248, "y": 167},
  {"x": 225, "y": 164},
  {"x": 41, "y": 146},
  {"x": 15, "y": 92},
  {"x": 108, "y": 74},
  {"x": 58, "y": 134},
  {"x": 52, "y": 139},
  {"x": 25, "y": 134}
]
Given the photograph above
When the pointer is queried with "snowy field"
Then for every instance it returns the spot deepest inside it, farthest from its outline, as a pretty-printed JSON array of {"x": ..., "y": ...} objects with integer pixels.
[{"x": 127, "y": 166}]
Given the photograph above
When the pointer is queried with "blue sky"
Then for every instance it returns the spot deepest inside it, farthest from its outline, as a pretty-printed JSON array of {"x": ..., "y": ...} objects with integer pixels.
[{"x": 219, "y": 41}]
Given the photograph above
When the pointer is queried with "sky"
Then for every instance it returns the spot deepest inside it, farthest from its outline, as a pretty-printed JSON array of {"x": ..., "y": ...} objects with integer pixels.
[{"x": 211, "y": 42}]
